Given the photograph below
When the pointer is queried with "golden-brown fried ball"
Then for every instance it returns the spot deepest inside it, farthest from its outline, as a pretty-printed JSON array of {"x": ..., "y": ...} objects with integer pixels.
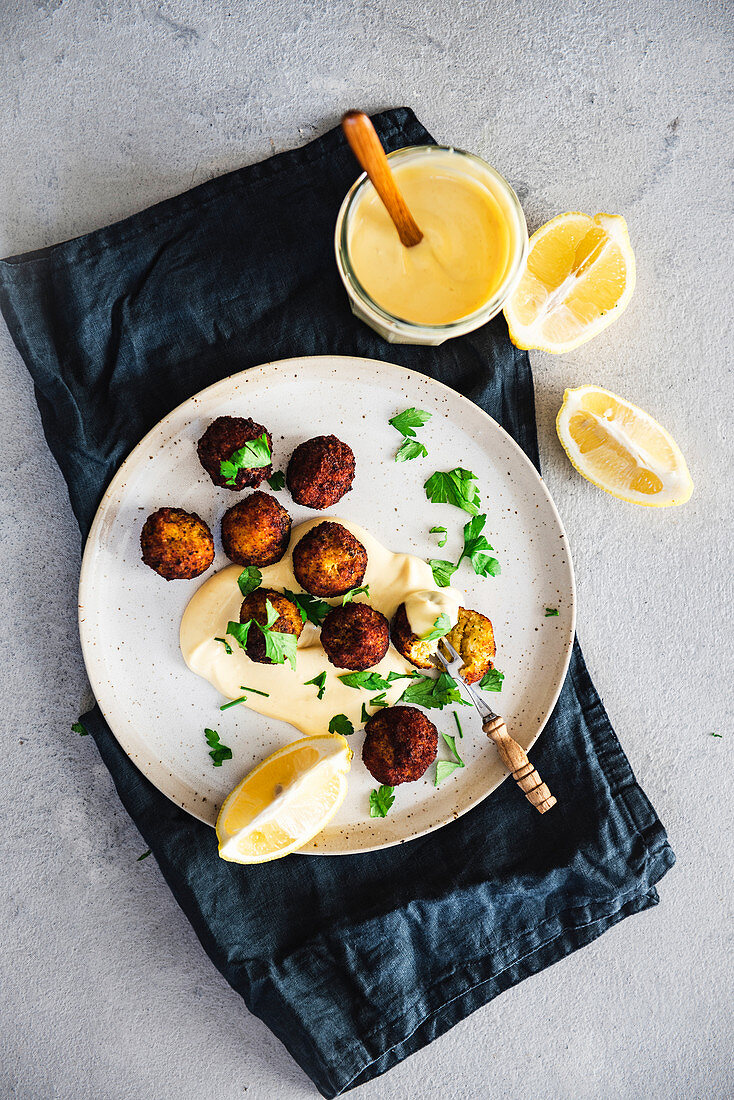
[
  {"x": 223, "y": 437},
  {"x": 328, "y": 560},
  {"x": 400, "y": 744},
  {"x": 473, "y": 639},
  {"x": 289, "y": 620},
  {"x": 409, "y": 644},
  {"x": 177, "y": 544},
  {"x": 320, "y": 471},
  {"x": 355, "y": 636},
  {"x": 256, "y": 530}
]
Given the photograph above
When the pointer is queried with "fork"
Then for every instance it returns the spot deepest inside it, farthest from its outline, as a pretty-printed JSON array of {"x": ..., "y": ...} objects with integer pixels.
[{"x": 513, "y": 755}]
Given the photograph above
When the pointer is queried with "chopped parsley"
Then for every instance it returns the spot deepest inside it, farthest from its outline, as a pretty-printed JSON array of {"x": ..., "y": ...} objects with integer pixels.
[
  {"x": 144, "y": 856},
  {"x": 451, "y": 742},
  {"x": 410, "y": 449},
  {"x": 476, "y": 547},
  {"x": 492, "y": 680},
  {"x": 318, "y": 682},
  {"x": 370, "y": 681},
  {"x": 379, "y": 700},
  {"x": 440, "y": 531},
  {"x": 349, "y": 596},
  {"x": 225, "y": 643},
  {"x": 445, "y": 768},
  {"x": 255, "y": 455},
  {"x": 458, "y": 487},
  {"x": 279, "y": 647},
  {"x": 276, "y": 481},
  {"x": 710, "y": 735},
  {"x": 239, "y": 632},
  {"x": 458, "y": 724},
  {"x": 391, "y": 676},
  {"x": 341, "y": 724},
  {"x": 442, "y": 571},
  {"x": 365, "y": 715},
  {"x": 219, "y": 752},
  {"x": 81, "y": 729},
  {"x": 249, "y": 579},
  {"x": 430, "y": 693},
  {"x": 407, "y": 421},
  {"x": 381, "y": 800},
  {"x": 312, "y": 610},
  {"x": 441, "y": 626},
  {"x": 550, "y": 611}
]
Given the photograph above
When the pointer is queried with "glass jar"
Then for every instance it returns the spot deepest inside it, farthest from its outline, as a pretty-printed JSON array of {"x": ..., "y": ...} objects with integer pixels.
[{"x": 397, "y": 330}]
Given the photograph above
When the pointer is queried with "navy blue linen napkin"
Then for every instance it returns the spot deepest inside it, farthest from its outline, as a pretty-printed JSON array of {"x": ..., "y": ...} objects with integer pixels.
[{"x": 353, "y": 962}]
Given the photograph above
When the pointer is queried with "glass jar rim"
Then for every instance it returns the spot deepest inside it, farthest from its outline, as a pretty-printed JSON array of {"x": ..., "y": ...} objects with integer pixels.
[{"x": 467, "y": 323}]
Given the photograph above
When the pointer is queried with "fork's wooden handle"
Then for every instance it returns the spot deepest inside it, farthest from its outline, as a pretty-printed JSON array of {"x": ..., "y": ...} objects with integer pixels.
[{"x": 515, "y": 758}]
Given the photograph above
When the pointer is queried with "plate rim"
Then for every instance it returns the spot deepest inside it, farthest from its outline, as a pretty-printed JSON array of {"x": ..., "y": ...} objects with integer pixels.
[{"x": 262, "y": 368}]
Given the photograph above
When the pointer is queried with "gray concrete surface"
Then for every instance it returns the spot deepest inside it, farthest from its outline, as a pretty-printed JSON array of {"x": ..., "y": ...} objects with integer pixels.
[{"x": 109, "y": 105}]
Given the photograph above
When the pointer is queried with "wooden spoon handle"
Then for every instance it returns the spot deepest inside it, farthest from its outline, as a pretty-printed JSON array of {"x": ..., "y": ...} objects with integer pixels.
[
  {"x": 515, "y": 758},
  {"x": 366, "y": 146}
]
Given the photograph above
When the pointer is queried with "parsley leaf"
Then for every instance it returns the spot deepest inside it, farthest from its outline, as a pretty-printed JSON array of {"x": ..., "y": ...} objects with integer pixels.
[
  {"x": 379, "y": 700},
  {"x": 277, "y": 480},
  {"x": 476, "y": 547},
  {"x": 451, "y": 742},
  {"x": 239, "y": 632},
  {"x": 249, "y": 579},
  {"x": 492, "y": 680},
  {"x": 365, "y": 715},
  {"x": 255, "y": 455},
  {"x": 349, "y": 596},
  {"x": 341, "y": 724},
  {"x": 219, "y": 752},
  {"x": 550, "y": 611},
  {"x": 406, "y": 421},
  {"x": 440, "y": 531},
  {"x": 391, "y": 676},
  {"x": 381, "y": 800},
  {"x": 458, "y": 487},
  {"x": 144, "y": 856},
  {"x": 225, "y": 643},
  {"x": 458, "y": 724},
  {"x": 312, "y": 610},
  {"x": 445, "y": 768},
  {"x": 442, "y": 571},
  {"x": 318, "y": 682},
  {"x": 429, "y": 693},
  {"x": 441, "y": 626},
  {"x": 371, "y": 681},
  {"x": 80, "y": 729},
  {"x": 710, "y": 735},
  {"x": 279, "y": 647},
  {"x": 410, "y": 449}
]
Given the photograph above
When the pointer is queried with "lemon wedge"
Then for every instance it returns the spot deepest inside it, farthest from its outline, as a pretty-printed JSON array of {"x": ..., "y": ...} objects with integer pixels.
[
  {"x": 579, "y": 277},
  {"x": 622, "y": 449},
  {"x": 285, "y": 801}
]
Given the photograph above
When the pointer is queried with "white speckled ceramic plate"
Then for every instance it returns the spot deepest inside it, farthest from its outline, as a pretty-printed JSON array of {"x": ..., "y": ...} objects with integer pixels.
[{"x": 129, "y": 617}]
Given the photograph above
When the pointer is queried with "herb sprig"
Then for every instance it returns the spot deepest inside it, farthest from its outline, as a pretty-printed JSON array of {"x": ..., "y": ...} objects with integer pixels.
[
  {"x": 249, "y": 579},
  {"x": 219, "y": 752},
  {"x": 458, "y": 487},
  {"x": 492, "y": 680},
  {"x": 381, "y": 800},
  {"x": 341, "y": 724},
  {"x": 406, "y": 423},
  {"x": 429, "y": 693},
  {"x": 318, "y": 682},
  {"x": 348, "y": 597},
  {"x": 255, "y": 455},
  {"x": 441, "y": 626},
  {"x": 312, "y": 610},
  {"x": 276, "y": 481},
  {"x": 279, "y": 647}
]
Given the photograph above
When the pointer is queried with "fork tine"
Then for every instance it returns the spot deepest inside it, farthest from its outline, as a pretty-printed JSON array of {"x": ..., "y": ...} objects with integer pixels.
[
  {"x": 479, "y": 704},
  {"x": 456, "y": 656}
]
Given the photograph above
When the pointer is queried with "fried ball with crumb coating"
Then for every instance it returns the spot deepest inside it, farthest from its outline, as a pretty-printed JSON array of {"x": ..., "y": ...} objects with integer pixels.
[
  {"x": 329, "y": 560},
  {"x": 355, "y": 636},
  {"x": 256, "y": 530},
  {"x": 176, "y": 544},
  {"x": 409, "y": 644},
  {"x": 400, "y": 744},
  {"x": 222, "y": 438},
  {"x": 320, "y": 471},
  {"x": 254, "y": 606},
  {"x": 473, "y": 639}
]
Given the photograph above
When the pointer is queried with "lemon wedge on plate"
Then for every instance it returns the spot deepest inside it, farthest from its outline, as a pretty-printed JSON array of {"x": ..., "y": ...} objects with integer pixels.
[
  {"x": 622, "y": 449},
  {"x": 285, "y": 801},
  {"x": 579, "y": 277}
]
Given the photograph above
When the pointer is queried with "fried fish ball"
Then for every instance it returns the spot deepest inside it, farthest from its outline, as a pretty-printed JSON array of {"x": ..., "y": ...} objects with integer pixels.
[
  {"x": 176, "y": 544},
  {"x": 409, "y": 644},
  {"x": 329, "y": 560},
  {"x": 254, "y": 606},
  {"x": 320, "y": 471},
  {"x": 400, "y": 744},
  {"x": 473, "y": 639},
  {"x": 222, "y": 438},
  {"x": 355, "y": 636},
  {"x": 256, "y": 530}
]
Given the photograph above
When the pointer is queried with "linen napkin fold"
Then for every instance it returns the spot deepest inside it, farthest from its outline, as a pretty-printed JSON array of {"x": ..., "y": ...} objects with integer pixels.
[{"x": 354, "y": 962}]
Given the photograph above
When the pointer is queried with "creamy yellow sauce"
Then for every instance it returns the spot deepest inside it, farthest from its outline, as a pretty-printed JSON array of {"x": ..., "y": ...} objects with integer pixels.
[
  {"x": 462, "y": 259},
  {"x": 392, "y": 579}
]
